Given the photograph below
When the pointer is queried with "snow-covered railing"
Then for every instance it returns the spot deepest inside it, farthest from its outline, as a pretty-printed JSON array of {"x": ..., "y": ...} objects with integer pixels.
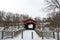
[
  {"x": 14, "y": 30},
  {"x": 46, "y": 34},
  {"x": 11, "y": 32}
]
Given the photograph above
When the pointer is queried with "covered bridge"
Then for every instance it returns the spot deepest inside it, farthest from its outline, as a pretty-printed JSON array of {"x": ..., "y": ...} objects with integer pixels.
[{"x": 30, "y": 24}]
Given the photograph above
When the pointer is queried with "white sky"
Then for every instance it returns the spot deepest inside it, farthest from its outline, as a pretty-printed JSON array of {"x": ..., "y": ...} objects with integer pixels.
[{"x": 30, "y": 7}]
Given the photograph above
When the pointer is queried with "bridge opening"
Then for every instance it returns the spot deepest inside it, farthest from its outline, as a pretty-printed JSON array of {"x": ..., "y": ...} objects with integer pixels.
[{"x": 30, "y": 24}]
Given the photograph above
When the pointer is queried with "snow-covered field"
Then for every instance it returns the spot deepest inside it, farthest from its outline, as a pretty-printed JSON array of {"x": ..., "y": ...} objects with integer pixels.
[{"x": 27, "y": 35}]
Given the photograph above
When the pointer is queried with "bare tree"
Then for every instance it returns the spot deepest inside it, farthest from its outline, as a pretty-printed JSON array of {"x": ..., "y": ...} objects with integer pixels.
[
  {"x": 55, "y": 23},
  {"x": 2, "y": 18},
  {"x": 52, "y": 6},
  {"x": 25, "y": 16},
  {"x": 8, "y": 19},
  {"x": 38, "y": 19}
]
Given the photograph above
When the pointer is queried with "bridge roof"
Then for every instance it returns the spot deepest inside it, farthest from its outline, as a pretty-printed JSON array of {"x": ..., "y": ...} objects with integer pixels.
[{"x": 30, "y": 21}]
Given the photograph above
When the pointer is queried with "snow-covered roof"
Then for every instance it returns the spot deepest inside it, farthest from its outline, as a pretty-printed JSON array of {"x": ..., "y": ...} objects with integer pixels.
[{"x": 1, "y": 28}]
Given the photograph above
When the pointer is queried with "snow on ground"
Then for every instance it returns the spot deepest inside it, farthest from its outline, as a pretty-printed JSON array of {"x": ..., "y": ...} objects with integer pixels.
[{"x": 27, "y": 35}]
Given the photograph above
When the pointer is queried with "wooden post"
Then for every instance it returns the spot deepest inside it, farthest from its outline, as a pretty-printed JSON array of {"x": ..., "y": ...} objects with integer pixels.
[
  {"x": 2, "y": 34},
  {"x": 22, "y": 35},
  {"x": 32, "y": 35},
  {"x": 53, "y": 34},
  {"x": 57, "y": 34},
  {"x": 12, "y": 34},
  {"x": 42, "y": 35}
]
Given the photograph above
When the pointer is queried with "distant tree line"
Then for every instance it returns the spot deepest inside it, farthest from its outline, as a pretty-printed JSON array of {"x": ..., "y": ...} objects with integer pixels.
[{"x": 10, "y": 19}]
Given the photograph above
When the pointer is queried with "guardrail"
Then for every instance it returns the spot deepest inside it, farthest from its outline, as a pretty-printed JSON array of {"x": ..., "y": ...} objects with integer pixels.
[
  {"x": 45, "y": 34},
  {"x": 10, "y": 33}
]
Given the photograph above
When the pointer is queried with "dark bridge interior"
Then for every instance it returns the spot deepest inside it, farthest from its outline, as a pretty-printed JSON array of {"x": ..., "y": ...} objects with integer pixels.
[{"x": 33, "y": 27}]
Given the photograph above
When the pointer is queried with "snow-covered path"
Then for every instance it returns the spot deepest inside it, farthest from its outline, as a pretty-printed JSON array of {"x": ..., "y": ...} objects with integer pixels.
[{"x": 27, "y": 35}]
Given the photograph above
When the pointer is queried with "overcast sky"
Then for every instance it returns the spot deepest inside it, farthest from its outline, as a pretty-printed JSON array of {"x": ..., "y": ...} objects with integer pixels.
[{"x": 30, "y": 7}]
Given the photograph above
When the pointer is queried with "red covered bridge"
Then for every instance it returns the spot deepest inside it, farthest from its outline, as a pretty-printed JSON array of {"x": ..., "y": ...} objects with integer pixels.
[{"x": 30, "y": 22}]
